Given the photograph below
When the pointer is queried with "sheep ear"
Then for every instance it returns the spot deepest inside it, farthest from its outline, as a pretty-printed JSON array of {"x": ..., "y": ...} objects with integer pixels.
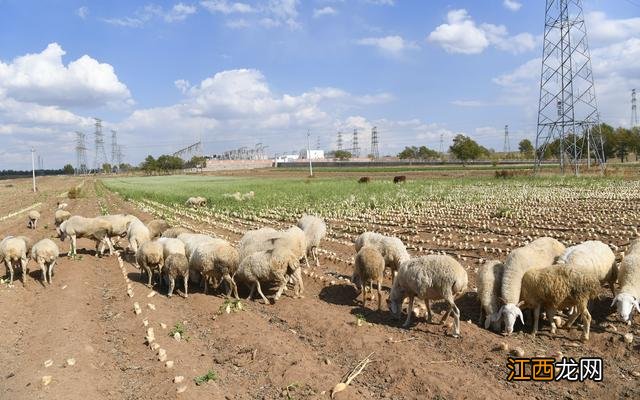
[
  {"x": 635, "y": 302},
  {"x": 615, "y": 299},
  {"x": 520, "y": 303},
  {"x": 521, "y": 316},
  {"x": 487, "y": 321},
  {"x": 495, "y": 317}
]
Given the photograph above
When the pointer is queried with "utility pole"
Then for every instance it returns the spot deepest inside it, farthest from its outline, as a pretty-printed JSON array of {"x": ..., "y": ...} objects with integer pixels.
[
  {"x": 309, "y": 151},
  {"x": 507, "y": 147},
  {"x": 634, "y": 109},
  {"x": 339, "y": 140},
  {"x": 33, "y": 169},
  {"x": 442, "y": 145}
]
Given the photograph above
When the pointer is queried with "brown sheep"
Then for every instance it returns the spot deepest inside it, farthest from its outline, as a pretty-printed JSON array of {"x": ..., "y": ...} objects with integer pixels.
[
  {"x": 364, "y": 179},
  {"x": 368, "y": 267},
  {"x": 399, "y": 179},
  {"x": 176, "y": 265}
]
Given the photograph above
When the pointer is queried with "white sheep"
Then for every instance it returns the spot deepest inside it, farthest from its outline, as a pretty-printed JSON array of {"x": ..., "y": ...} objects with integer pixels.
[
  {"x": 489, "y": 288},
  {"x": 176, "y": 265},
  {"x": 45, "y": 253},
  {"x": 315, "y": 230},
  {"x": 216, "y": 260},
  {"x": 15, "y": 251},
  {"x": 60, "y": 216},
  {"x": 540, "y": 253},
  {"x": 192, "y": 240},
  {"x": 96, "y": 229},
  {"x": 62, "y": 206},
  {"x": 629, "y": 279},
  {"x": 268, "y": 266},
  {"x": 172, "y": 246},
  {"x": 554, "y": 288},
  {"x": 257, "y": 240},
  {"x": 175, "y": 232},
  {"x": 137, "y": 234},
  {"x": 429, "y": 277},
  {"x": 150, "y": 258},
  {"x": 197, "y": 201},
  {"x": 368, "y": 267},
  {"x": 595, "y": 258},
  {"x": 392, "y": 249},
  {"x": 119, "y": 223},
  {"x": 157, "y": 227},
  {"x": 34, "y": 216}
]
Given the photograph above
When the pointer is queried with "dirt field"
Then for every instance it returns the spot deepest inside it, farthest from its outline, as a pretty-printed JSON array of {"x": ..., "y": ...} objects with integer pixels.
[{"x": 295, "y": 349}]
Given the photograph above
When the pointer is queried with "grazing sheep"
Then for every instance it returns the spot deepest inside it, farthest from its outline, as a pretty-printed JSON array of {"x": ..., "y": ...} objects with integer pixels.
[
  {"x": 157, "y": 227},
  {"x": 172, "y": 246},
  {"x": 399, "y": 179},
  {"x": 540, "y": 253},
  {"x": 150, "y": 258},
  {"x": 45, "y": 253},
  {"x": 489, "y": 288},
  {"x": 268, "y": 266},
  {"x": 429, "y": 277},
  {"x": 629, "y": 279},
  {"x": 34, "y": 216},
  {"x": 14, "y": 251},
  {"x": 391, "y": 248},
  {"x": 192, "y": 240},
  {"x": 314, "y": 230},
  {"x": 176, "y": 265},
  {"x": 196, "y": 202},
  {"x": 595, "y": 258},
  {"x": 216, "y": 260},
  {"x": 62, "y": 206},
  {"x": 554, "y": 288},
  {"x": 368, "y": 267},
  {"x": 175, "y": 232},
  {"x": 96, "y": 229},
  {"x": 137, "y": 234},
  {"x": 256, "y": 240},
  {"x": 119, "y": 223},
  {"x": 60, "y": 216},
  {"x": 364, "y": 179}
]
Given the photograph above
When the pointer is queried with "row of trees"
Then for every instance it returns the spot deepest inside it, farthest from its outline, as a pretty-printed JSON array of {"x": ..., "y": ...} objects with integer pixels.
[{"x": 166, "y": 163}]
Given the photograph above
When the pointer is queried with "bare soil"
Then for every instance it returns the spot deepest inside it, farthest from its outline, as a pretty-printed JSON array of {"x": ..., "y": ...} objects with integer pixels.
[{"x": 294, "y": 349}]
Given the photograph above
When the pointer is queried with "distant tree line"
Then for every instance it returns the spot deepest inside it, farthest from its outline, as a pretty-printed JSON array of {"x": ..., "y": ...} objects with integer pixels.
[{"x": 166, "y": 164}]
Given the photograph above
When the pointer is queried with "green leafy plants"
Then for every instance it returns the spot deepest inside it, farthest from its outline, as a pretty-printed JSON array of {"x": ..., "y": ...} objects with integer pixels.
[{"x": 209, "y": 376}]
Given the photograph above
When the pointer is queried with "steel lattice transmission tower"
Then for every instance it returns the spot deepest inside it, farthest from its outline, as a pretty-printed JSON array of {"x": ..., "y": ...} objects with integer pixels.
[
  {"x": 634, "y": 109},
  {"x": 81, "y": 154},
  {"x": 506, "y": 148},
  {"x": 355, "y": 147},
  {"x": 567, "y": 112},
  {"x": 114, "y": 150},
  {"x": 340, "y": 141},
  {"x": 374, "y": 143},
  {"x": 100, "y": 155}
]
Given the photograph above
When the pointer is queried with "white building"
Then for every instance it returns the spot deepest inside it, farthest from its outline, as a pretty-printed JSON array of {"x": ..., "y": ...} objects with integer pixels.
[
  {"x": 285, "y": 158},
  {"x": 313, "y": 154}
]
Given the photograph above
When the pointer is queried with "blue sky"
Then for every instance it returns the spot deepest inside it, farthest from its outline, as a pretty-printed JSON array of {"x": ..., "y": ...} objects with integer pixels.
[{"x": 234, "y": 73}]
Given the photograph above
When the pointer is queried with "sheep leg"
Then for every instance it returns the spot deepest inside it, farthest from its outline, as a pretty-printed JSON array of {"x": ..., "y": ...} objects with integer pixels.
[
  {"x": 379, "y": 294},
  {"x": 99, "y": 248},
  {"x": 306, "y": 260},
  {"x": 172, "y": 285},
  {"x": 253, "y": 287},
  {"x": 299, "y": 285},
  {"x": 409, "y": 312},
  {"x": 25, "y": 270},
  {"x": 149, "y": 274},
  {"x": 283, "y": 282},
  {"x": 481, "y": 320},
  {"x": 53, "y": 264},
  {"x": 364, "y": 297},
  {"x": 74, "y": 245},
  {"x": 429, "y": 313},
  {"x": 233, "y": 287},
  {"x": 551, "y": 312},
  {"x": 108, "y": 241},
  {"x": 586, "y": 322},
  {"x": 314, "y": 251},
  {"x": 536, "y": 318},
  {"x": 266, "y": 301},
  {"x": 9, "y": 265},
  {"x": 572, "y": 318},
  {"x": 43, "y": 268},
  {"x": 186, "y": 286},
  {"x": 456, "y": 315}
]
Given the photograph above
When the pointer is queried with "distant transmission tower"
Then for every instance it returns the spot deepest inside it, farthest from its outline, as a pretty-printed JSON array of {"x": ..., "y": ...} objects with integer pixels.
[
  {"x": 81, "y": 154},
  {"x": 100, "y": 155},
  {"x": 340, "y": 141},
  {"x": 506, "y": 147},
  {"x": 374, "y": 143},
  {"x": 442, "y": 143},
  {"x": 567, "y": 110},
  {"x": 114, "y": 149},
  {"x": 634, "y": 109},
  {"x": 355, "y": 147},
  {"x": 317, "y": 142}
]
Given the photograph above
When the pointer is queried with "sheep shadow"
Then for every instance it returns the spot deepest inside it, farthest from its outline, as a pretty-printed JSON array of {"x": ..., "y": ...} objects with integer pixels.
[{"x": 342, "y": 295}]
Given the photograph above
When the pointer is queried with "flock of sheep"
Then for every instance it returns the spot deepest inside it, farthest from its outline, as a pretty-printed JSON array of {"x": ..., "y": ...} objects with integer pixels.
[{"x": 542, "y": 275}]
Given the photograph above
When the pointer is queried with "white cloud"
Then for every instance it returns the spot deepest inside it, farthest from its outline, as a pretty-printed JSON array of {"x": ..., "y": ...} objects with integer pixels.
[
  {"x": 390, "y": 45},
  {"x": 462, "y": 35},
  {"x": 320, "y": 12},
  {"x": 382, "y": 2},
  {"x": 238, "y": 24},
  {"x": 602, "y": 29},
  {"x": 225, "y": 7},
  {"x": 282, "y": 12},
  {"x": 82, "y": 12},
  {"x": 43, "y": 78},
  {"x": 179, "y": 12},
  {"x": 512, "y": 5}
]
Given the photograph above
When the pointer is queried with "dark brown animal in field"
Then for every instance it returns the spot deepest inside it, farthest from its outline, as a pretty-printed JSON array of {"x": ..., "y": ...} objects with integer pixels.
[
  {"x": 399, "y": 178},
  {"x": 364, "y": 179}
]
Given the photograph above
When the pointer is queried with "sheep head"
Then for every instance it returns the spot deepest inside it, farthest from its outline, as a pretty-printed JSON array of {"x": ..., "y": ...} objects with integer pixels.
[
  {"x": 509, "y": 313},
  {"x": 625, "y": 305}
]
